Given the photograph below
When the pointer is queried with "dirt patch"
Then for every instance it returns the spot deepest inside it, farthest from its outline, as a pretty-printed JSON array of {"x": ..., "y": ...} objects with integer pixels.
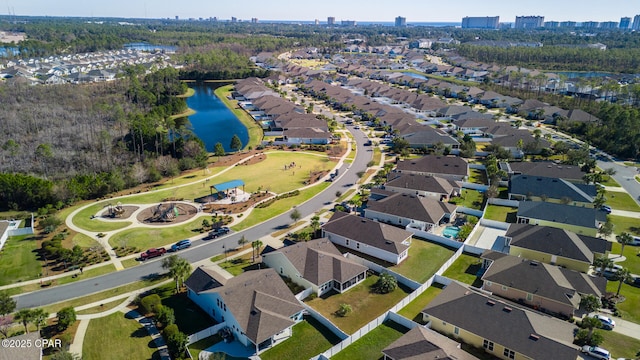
[
  {"x": 229, "y": 160},
  {"x": 237, "y": 207},
  {"x": 118, "y": 213},
  {"x": 167, "y": 213}
]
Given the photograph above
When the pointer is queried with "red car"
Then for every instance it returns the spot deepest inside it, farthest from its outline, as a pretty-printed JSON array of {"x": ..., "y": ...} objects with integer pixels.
[{"x": 153, "y": 252}]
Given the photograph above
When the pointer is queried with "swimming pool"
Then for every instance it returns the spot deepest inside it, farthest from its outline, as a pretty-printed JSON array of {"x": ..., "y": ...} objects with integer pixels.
[{"x": 451, "y": 232}]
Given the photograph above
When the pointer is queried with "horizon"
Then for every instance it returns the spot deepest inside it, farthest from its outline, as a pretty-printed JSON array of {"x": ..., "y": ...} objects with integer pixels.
[{"x": 359, "y": 11}]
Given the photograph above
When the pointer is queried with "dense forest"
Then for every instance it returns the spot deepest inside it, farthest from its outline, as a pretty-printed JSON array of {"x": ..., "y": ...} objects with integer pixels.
[{"x": 68, "y": 142}]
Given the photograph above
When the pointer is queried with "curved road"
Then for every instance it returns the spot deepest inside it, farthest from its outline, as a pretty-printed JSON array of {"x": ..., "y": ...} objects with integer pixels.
[{"x": 204, "y": 249}]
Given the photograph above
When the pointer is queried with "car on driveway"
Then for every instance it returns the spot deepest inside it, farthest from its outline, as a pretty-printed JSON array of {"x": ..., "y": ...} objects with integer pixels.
[
  {"x": 596, "y": 352},
  {"x": 607, "y": 322},
  {"x": 182, "y": 244},
  {"x": 606, "y": 209},
  {"x": 153, "y": 252}
]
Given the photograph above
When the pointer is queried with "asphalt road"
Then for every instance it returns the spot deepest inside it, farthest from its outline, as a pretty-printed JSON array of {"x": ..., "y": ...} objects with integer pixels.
[
  {"x": 204, "y": 249},
  {"x": 624, "y": 176}
]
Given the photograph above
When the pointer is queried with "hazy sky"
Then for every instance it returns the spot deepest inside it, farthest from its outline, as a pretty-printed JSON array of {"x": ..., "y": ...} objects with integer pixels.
[{"x": 359, "y": 10}]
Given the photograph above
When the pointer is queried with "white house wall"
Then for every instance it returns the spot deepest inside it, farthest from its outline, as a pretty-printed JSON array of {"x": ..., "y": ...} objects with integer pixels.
[{"x": 283, "y": 266}]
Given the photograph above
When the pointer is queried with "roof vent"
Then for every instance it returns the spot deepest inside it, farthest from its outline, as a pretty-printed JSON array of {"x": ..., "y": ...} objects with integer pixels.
[
  {"x": 534, "y": 337},
  {"x": 490, "y": 302},
  {"x": 507, "y": 309},
  {"x": 533, "y": 263}
]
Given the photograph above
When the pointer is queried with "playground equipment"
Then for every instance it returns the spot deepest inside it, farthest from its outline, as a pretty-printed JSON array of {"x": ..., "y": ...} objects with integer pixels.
[
  {"x": 165, "y": 213},
  {"x": 116, "y": 211}
]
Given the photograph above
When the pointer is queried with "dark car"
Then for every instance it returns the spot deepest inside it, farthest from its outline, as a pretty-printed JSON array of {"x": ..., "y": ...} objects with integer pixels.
[
  {"x": 219, "y": 232},
  {"x": 606, "y": 209},
  {"x": 182, "y": 244},
  {"x": 153, "y": 252}
]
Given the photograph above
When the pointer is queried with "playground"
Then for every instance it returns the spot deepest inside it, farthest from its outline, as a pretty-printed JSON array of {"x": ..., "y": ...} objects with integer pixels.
[
  {"x": 167, "y": 213},
  {"x": 117, "y": 212}
]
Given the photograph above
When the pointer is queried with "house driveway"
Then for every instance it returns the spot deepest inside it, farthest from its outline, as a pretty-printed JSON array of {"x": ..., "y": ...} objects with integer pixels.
[{"x": 623, "y": 327}]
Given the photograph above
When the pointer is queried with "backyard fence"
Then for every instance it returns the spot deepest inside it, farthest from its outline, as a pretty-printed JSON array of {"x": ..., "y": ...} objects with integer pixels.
[
  {"x": 380, "y": 269},
  {"x": 504, "y": 202},
  {"x": 210, "y": 331}
]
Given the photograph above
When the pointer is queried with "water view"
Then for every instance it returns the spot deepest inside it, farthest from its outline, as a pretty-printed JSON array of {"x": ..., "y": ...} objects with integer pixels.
[
  {"x": 213, "y": 122},
  {"x": 149, "y": 47}
]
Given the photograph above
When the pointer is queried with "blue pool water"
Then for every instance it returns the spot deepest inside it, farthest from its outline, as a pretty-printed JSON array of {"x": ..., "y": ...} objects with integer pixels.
[{"x": 451, "y": 232}]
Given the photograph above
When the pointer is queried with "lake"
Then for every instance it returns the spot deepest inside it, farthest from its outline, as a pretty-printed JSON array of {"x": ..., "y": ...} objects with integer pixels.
[
  {"x": 140, "y": 46},
  {"x": 213, "y": 122}
]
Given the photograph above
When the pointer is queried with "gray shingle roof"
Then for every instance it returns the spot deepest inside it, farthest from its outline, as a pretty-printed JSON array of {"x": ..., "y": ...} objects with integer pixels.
[
  {"x": 544, "y": 280},
  {"x": 432, "y": 184},
  {"x": 560, "y": 213},
  {"x": 261, "y": 303},
  {"x": 372, "y": 233},
  {"x": 553, "y": 188},
  {"x": 434, "y": 164},
  {"x": 203, "y": 279},
  {"x": 556, "y": 241},
  {"x": 531, "y": 334},
  {"x": 425, "y": 344},
  {"x": 545, "y": 168}
]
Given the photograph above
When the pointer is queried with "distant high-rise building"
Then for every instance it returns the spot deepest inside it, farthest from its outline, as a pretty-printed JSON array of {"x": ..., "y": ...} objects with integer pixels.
[
  {"x": 254, "y": 20},
  {"x": 625, "y": 22},
  {"x": 590, "y": 24},
  {"x": 234, "y": 19},
  {"x": 566, "y": 24},
  {"x": 331, "y": 20},
  {"x": 609, "y": 25},
  {"x": 317, "y": 22},
  {"x": 348, "y": 22},
  {"x": 487, "y": 22},
  {"x": 636, "y": 23},
  {"x": 529, "y": 22},
  {"x": 177, "y": 17},
  {"x": 551, "y": 24},
  {"x": 401, "y": 21}
]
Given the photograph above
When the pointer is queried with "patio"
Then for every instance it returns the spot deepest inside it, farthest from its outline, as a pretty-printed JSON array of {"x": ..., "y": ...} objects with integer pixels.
[{"x": 233, "y": 348}]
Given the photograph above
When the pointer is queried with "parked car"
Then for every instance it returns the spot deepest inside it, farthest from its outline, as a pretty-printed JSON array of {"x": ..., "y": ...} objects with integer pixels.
[
  {"x": 596, "y": 352},
  {"x": 153, "y": 252},
  {"x": 219, "y": 232},
  {"x": 608, "y": 272},
  {"x": 606, "y": 209},
  {"x": 182, "y": 244},
  {"x": 607, "y": 322}
]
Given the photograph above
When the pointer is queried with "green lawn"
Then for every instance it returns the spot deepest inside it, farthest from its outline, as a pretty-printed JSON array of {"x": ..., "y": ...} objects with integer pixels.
[
  {"x": 238, "y": 265},
  {"x": 632, "y": 261},
  {"x": 629, "y": 308},
  {"x": 621, "y": 201},
  {"x": 254, "y": 129},
  {"x": 464, "y": 269},
  {"x": 116, "y": 337},
  {"x": 144, "y": 238},
  {"x": 370, "y": 346},
  {"x": 622, "y": 224},
  {"x": 413, "y": 309},
  {"x": 84, "y": 241},
  {"x": 18, "y": 260},
  {"x": 309, "y": 339},
  {"x": 609, "y": 181},
  {"x": 472, "y": 199},
  {"x": 425, "y": 258},
  {"x": 203, "y": 344},
  {"x": 620, "y": 345},
  {"x": 477, "y": 176},
  {"x": 280, "y": 206},
  {"x": 501, "y": 213},
  {"x": 365, "y": 304}
]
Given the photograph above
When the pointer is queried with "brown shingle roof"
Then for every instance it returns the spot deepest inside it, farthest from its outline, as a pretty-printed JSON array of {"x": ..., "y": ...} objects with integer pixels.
[
  {"x": 428, "y": 183},
  {"x": 412, "y": 207},
  {"x": 433, "y": 164},
  {"x": 421, "y": 343},
  {"x": 373, "y": 233}
]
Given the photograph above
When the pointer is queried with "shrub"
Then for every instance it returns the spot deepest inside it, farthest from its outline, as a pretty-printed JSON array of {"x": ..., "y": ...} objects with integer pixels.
[
  {"x": 386, "y": 283},
  {"x": 165, "y": 315},
  {"x": 150, "y": 303},
  {"x": 344, "y": 310},
  {"x": 66, "y": 317}
]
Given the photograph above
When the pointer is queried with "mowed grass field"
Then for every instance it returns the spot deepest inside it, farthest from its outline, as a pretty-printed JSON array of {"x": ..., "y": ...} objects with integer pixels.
[
  {"x": 116, "y": 337},
  {"x": 144, "y": 238},
  {"x": 18, "y": 261}
]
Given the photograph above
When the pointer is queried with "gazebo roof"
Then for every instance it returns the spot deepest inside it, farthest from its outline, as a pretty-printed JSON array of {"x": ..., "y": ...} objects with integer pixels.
[{"x": 228, "y": 185}]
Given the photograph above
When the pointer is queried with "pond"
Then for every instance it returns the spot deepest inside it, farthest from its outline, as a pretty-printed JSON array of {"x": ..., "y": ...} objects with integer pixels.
[
  {"x": 213, "y": 122},
  {"x": 140, "y": 46}
]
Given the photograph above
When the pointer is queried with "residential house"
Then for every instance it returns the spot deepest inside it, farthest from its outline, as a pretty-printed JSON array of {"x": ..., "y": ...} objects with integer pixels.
[
  {"x": 555, "y": 246},
  {"x": 540, "y": 188},
  {"x": 433, "y": 187},
  {"x": 423, "y": 343},
  {"x": 417, "y": 212},
  {"x": 448, "y": 167},
  {"x": 307, "y": 136},
  {"x": 581, "y": 220},
  {"x": 500, "y": 328},
  {"x": 548, "y": 169},
  {"x": 316, "y": 264},
  {"x": 256, "y": 306},
  {"x": 426, "y": 137},
  {"x": 26, "y": 346},
  {"x": 373, "y": 238},
  {"x": 541, "y": 286}
]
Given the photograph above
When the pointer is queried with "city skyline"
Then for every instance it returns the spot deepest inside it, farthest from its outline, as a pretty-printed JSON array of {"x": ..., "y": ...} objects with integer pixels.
[{"x": 361, "y": 11}]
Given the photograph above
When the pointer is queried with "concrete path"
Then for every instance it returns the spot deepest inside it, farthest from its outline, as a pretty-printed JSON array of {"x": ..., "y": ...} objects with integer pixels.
[
  {"x": 152, "y": 330},
  {"x": 630, "y": 214}
]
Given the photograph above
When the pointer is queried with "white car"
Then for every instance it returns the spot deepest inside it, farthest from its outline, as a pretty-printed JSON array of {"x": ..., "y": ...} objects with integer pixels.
[
  {"x": 607, "y": 322},
  {"x": 596, "y": 352}
]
